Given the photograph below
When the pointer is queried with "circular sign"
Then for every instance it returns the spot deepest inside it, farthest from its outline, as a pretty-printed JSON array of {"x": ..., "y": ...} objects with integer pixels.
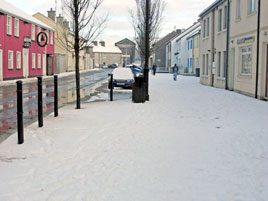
[{"x": 42, "y": 39}]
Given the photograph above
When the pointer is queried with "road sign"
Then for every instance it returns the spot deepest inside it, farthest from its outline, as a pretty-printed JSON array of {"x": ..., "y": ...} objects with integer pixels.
[{"x": 42, "y": 39}]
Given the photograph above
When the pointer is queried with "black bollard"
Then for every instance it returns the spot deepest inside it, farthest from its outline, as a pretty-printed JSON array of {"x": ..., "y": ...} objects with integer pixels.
[
  {"x": 56, "y": 109},
  {"x": 40, "y": 102},
  {"x": 111, "y": 86},
  {"x": 20, "y": 112}
]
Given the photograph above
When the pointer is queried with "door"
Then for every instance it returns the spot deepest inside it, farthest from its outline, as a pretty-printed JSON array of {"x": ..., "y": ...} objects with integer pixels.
[
  {"x": 25, "y": 62},
  {"x": 49, "y": 65},
  {"x": 266, "y": 91},
  {"x": 1, "y": 65},
  {"x": 44, "y": 64}
]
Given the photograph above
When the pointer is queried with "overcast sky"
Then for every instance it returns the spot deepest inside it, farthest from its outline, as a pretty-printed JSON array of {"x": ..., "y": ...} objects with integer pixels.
[{"x": 178, "y": 13}]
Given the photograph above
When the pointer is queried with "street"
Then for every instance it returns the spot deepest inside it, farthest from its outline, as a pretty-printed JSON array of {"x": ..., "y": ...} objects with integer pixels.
[{"x": 189, "y": 142}]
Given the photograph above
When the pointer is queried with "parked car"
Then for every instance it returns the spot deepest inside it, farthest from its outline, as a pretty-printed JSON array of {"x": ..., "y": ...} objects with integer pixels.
[
  {"x": 113, "y": 66},
  {"x": 136, "y": 70},
  {"x": 123, "y": 77}
]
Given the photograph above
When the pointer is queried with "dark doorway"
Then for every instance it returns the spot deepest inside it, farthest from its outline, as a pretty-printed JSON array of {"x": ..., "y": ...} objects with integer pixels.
[{"x": 49, "y": 64}]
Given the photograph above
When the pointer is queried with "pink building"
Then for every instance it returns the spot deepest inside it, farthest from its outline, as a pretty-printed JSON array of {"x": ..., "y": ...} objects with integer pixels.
[{"x": 17, "y": 30}]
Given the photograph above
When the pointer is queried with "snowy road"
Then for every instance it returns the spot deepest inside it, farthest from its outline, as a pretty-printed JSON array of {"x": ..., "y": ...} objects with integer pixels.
[{"x": 189, "y": 143}]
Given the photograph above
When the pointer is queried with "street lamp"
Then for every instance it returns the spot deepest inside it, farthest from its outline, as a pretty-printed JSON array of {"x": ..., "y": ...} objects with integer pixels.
[{"x": 147, "y": 49}]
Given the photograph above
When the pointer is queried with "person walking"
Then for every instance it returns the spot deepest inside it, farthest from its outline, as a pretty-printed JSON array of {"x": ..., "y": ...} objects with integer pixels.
[
  {"x": 175, "y": 72},
  {"x": 154, "y": 69}
]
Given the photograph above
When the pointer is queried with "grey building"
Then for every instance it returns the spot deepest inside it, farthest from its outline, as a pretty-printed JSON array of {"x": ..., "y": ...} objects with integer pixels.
[
  {"x": 159, "y": 50},
  {"x": 128, "y": 50}
]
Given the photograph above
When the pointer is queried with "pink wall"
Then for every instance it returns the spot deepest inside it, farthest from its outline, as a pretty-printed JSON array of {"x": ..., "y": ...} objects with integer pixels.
[{"x": 16, "y": 44}]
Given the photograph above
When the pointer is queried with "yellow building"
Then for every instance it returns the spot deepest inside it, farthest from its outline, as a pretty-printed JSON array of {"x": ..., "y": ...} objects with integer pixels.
[{"x": 64, "y": 57}]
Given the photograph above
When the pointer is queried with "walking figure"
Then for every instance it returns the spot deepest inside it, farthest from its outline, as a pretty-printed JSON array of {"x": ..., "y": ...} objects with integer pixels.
[
  {"x": 154, "y": 69},
  {"x": 175, "y": 72}
]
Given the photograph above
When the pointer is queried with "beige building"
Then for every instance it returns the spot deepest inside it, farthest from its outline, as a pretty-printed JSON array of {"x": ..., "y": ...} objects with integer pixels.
[
  {"x": 104, "y": 55},
  {"x": 243, "y": 48},
  {"x": 213, "y": 44},
  {"x": 196, "y": 39},
  {"x": 64, "y": 58}
]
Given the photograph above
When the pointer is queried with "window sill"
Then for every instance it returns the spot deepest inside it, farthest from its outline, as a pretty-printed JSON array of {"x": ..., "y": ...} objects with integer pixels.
[
  {"x": 245, "y": 75},
  {"x": 10, "y": 68},
  {"x": 251, "y": 14},
  {"x": 204, "y": 76}
]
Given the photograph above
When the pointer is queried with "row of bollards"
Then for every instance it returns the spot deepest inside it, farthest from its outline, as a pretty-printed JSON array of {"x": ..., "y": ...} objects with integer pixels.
[{"x": 40, "y": 105}]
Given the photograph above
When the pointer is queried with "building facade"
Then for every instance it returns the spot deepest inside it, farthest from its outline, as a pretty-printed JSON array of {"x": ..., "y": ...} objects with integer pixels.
[
  {"x": 128, "y": 49},
  {"x": 20, "y": 55},
  {"x": 232, "y": 62},
  {"x": 182, "y": 51}
]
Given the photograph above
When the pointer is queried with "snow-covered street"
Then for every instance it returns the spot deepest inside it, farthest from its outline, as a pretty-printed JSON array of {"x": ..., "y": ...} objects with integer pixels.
[{"x": 188, "y": 143}]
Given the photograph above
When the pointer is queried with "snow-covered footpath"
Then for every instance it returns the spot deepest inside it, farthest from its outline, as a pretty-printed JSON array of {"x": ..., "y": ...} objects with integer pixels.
[{"x": 189, "y": 143}]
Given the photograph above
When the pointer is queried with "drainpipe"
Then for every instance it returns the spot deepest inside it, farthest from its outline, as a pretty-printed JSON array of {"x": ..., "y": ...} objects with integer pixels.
[
  {"x": 227, "y": 45},
  {"x": 258, "y": 48}
]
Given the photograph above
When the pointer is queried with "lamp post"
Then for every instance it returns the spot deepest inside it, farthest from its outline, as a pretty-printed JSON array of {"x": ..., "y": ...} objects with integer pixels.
[{"x": 147, "y": 49}]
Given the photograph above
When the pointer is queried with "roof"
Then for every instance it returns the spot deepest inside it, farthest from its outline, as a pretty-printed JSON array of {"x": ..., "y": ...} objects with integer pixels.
[
  {"x": 9, "y": 9},
  {"x": 107, "y": 49},
  {"x": 211, "y": 7},
  {"x": 166, "y": 39},
  {"x": 194, "y": 34},
  {"x": 125, "y": 41},
  {"x": 196, "y": 25}
]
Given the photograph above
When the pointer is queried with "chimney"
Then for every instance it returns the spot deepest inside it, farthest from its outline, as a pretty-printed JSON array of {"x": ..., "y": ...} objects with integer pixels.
[
  {"x": 60, "y": 20},
  {"x": 66, "y": 24},
  {"x": 102, "y": 43},
  {"x": 51, "y": 14},
  {"x": 95, "y": 43}
]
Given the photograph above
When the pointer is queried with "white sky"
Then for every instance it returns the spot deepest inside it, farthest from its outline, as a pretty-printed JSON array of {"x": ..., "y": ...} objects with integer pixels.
[{"x": 178, "y": 13}]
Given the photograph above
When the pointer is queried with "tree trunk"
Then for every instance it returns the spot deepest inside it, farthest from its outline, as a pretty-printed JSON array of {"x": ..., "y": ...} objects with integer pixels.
[
  {"x": 76, "y": 48},
  {"x": 147, "y": 49}
]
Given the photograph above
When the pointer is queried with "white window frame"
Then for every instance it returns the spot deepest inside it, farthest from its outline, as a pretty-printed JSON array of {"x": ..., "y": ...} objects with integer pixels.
[
  {"x": 39, "y": 61},
  {"x": 238, "y": 9},
  {"x": 33, "y": 60},
  {"x": 33, "y": 32},
  {"x": 225, "y": 15},
  {"x": 208, "y": 21},
  {"x": 252, "y": 6},
  {"x": 47, "y": 32},
  {"x": 51, "y": 37},
  {"x": 224, "y": 63},
  {"x": 18, "y": 60},
  {"x": 17, "y": 27},
  {"x": 245, "y": 53},
  {"x": 10, "y": 60},
  {"x": 207, "y": 63},
  {"x": 9, "y": 25},
  {"x": 38, "y": 29},
  {"x": 220, "y": 20},
  {"x": 204, "y": 64}
]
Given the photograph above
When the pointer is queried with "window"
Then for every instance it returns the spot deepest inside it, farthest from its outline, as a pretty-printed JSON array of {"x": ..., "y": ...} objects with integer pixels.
[
  {"x": 17, "y": 27},
  {"x": 9, "y": 25},
  {"x": 252, "y": 6},
  {"x": 208, "y": 27},
  {"x": 246, "y": 60},
  {"x": 39, "y": 61},
  {"x": 10, "y": 60},
  {"x": 204, "y": 29},
  {"x": 224, "y": 62},
  {"x": 47, "y": 32},
  {"x": 51, "y": 37},
  {"x": 18, "y": 60},
  {"x": 38, "y": 30},
  {"x": 33, "y": 32},
  {"x": 225, "y": 17},
  {"x": 191, "y": 44},
  {"x": 188, "y": 44},
  {"x": 197, "y": 42},
  {"x": 33, "y": 61},
  {"x": 204, "y": 63},
  {"x": 220, "y": 20},
  {"x": 238, "y": 9},
  {"x": 219, "y": 64},
  {"x": 207, "y": 65}
]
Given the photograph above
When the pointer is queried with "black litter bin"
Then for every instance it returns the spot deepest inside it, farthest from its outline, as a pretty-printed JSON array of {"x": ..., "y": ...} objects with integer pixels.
[
  {"x": 138, "y": 90},
  {"x": 197, "y": 72}
]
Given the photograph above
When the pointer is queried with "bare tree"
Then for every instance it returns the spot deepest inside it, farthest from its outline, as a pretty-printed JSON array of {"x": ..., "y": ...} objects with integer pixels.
[
  {"x": 138, "y": 20},
  {"x": 86, "y": 28}
]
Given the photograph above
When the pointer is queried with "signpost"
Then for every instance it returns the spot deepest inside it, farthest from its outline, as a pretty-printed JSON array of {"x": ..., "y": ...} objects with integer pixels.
[{"x": 42, "y": 39}]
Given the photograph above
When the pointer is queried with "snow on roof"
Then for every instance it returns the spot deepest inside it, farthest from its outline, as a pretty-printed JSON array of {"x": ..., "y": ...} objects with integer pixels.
[
  {"x": 9, "y": 9},
  {"x": 107, "y": 49}
]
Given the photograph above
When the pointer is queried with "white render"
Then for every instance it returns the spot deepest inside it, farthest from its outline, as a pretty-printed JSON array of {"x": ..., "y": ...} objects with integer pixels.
[
  {"x": 168, "y": 149},
  {"x": 180, "y": 46}
]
